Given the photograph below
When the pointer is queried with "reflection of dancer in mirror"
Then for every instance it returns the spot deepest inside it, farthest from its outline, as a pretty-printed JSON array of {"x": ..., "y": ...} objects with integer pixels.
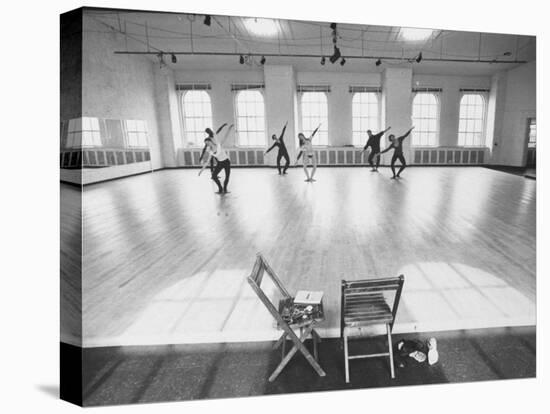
[
  {"x": 374, "y": 143},
  {"x": 283, "y": 153},
  {"x": 306, "y": 149},
  {"x": 216, "y": 150},
  {"x": 210, "y": 134},
  {"x": 397, "y": 145}
]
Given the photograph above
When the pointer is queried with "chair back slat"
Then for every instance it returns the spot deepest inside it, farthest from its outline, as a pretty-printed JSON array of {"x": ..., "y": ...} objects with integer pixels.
[
  {"x": 368, "y": 300},
  {"x": 257, "y": 271},
  {"x": 260, "y": 268}
]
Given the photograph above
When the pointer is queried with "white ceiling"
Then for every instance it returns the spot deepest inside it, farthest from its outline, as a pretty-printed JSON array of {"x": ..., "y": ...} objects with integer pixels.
[{"x": 170, "y": 32}]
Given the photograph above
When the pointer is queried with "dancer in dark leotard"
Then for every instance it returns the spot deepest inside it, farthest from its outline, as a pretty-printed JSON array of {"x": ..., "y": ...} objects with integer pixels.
[
  {"x": 397, "y": 145},
  {"x": 283, "y": 153},
  {"x": 210, "y": 134},
  {"x": 216, "y": 150},
  {"x": 374, "y": 143}
]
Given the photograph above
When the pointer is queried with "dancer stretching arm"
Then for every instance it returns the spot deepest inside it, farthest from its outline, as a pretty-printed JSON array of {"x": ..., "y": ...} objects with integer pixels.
[
  {"x": 402, "y": 137},
  {"x": 374, "y": 139}
]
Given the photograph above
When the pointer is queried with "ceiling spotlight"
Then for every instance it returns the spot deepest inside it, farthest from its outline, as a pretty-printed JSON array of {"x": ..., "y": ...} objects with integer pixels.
[
  {"x": 323, "y": 60},
  {"x": 241, "y": 60},
  {"x": 378, "y": 62},
  {"x": 419, "y": 58},
  {"x": 262, "y": 61},
  {"x": 174, "y": 58},
  {"x": 333, "y": 26},
  {"x": 336, "y": 55},
  {"x": 207, "y": 19},
  {"x": 343, "y": 62}
]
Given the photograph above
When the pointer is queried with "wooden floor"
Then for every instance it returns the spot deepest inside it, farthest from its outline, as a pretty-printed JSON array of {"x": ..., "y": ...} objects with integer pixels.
[{"x": 165, "y": 259}]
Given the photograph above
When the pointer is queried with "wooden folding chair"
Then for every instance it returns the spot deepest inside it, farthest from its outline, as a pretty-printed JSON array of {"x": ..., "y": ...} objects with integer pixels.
[
  {"x": 306, "y": 325},
  {"x": 367, "y": 303}
]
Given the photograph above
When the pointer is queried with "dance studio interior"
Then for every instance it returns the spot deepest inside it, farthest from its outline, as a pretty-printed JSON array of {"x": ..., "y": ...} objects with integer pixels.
[{"x": 254, "y": 206}]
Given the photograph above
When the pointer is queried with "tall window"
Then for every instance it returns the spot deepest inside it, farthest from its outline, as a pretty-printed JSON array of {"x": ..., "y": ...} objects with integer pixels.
[
  {"x": 83, "y": 132},
  {"x": 365, "y": 116},
  {"x": 197, "y": 116},
  {"x": 425, "y": 116},
  {"x": 470, "y": 127},
  {"x": 137, "y": 133},
  {"x": 250, "y": 118},
  {"x": 314, "y": 112},
  {"x": 532, "y": 133}
]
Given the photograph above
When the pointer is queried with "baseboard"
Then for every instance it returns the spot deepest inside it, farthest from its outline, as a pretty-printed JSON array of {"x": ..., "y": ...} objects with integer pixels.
[
  {"x": 192, "y": 167},
  {"x": 122, "y": 176}
]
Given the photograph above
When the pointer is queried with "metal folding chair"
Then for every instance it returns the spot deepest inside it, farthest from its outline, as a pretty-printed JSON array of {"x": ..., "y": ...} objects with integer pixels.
[
  {"x": 305, "y": 325},
  {"x": 367, "y": 303}
]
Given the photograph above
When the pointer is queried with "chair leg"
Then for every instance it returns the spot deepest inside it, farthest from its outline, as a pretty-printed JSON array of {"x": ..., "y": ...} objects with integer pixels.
[
  {"x": 346, "y": 361},
  {"x": 390, "y": 346},
  {"x": 314, "y": 340}
]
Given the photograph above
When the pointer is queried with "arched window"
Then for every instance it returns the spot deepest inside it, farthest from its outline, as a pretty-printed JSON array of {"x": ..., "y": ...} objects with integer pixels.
[
  {"x": 471, "y": 121},
  {"x": 250, "y": 118},
  {"x": 425, "y": 114},
  {"x": 365, "y": 116},
  {"x": 197, "y": 116},
  {"x": 314, "y": 108}
]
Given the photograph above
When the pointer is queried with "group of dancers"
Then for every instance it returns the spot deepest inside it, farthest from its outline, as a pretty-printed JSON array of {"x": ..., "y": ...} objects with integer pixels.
[{"x": 218, "y": 158}]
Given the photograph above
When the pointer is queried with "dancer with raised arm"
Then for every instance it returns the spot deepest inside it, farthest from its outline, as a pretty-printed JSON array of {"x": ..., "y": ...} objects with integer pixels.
[
  {"x": 397, "y": 145},
  {"x": 306, "y": 149},
  {"x": 374, "y": 143},
  {"x": 283, "y": 153},
  {"x": 215, "y": 150},
  {"x": 210, "y": 134}
]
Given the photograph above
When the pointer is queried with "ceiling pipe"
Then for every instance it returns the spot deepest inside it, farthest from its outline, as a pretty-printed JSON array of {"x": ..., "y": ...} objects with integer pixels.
[{"x": 317, "y": 56}]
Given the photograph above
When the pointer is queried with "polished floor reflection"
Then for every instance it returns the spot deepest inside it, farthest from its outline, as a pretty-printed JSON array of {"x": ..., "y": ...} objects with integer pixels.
[{"x": 165, "y": 259}]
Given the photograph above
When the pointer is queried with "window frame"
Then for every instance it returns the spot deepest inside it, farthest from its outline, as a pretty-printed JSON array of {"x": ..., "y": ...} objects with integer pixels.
[
  {"x": 301, "y": 105},
  {"x": 185, "y": 139},
  {"x": 378, "y": 96},
  {"x": 531, "y": 120},
  {"x": 437, "y": 98},
  {"x": 81, "y": 133},
  {"x": 484, "y": 98},
  {"x": 236, "y": 118},
  {"x": 127, "y": 133}
]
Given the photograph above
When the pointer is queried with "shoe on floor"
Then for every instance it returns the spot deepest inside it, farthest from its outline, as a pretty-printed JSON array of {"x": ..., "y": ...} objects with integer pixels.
[
  {"x": 418, "y": 356},
  {"x": 433, "y": 355}
]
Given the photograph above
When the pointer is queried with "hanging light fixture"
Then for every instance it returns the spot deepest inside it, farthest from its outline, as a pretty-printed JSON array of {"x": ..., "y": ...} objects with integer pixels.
[
  {"x": 262, "y": 61},
  {"x": 174, "y": 58},
  {"x": 419, "y": 58},
  {"x": 241, "y": 60},
  {"x": 378, "y": 62},
  {"x": 323, "y": 60},
  {"x": 160, "y": 55}
]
